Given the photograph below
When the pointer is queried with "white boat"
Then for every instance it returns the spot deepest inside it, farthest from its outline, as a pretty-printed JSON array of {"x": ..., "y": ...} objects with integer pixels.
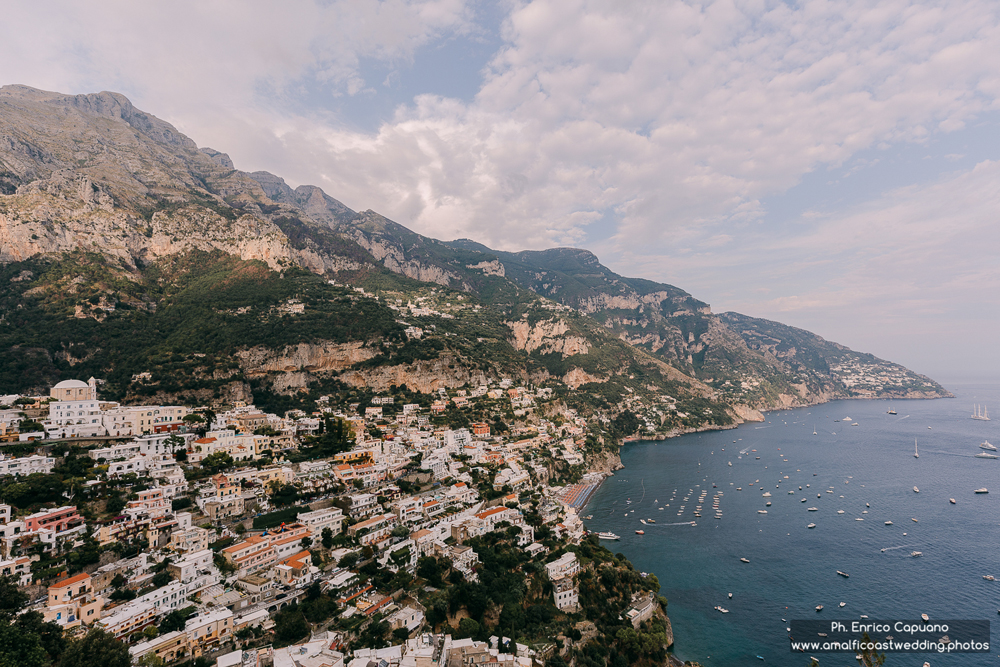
[
  {"x": 812, "y": 525},
  {"x": 642, "y": 521},
  {"x": 744, "y": 560},
  {"x": 982, "y": 490},
  {"x": 843, "y": 574},
  {"x": 951, "y": 500},
  {"x": 985, "y": 444},
  {"x": 925, "y": 618},
  {"x": 989, "y": 577},
  {"x": 730, "y": 596},
  {"x": 813, "y": 509},
  {"x": 888, "y": 523},
  {"x": 916, "y": 490},
  {"x": 761, "y": 511},
  {"x": 916, "y": 554},
  {"x": 843, "y": 604},
  {"x": 719, "y": 608},
  {"x": 981, "y": 413},
  {"x": 767, "y": 494},
  {"x": 608, "y": 536},
  {"x": 986, "y": 455},
  {"x": 819, "y": 607},
  {"x": 840, "y": 511},
  {"x": 730, "y": 463}
]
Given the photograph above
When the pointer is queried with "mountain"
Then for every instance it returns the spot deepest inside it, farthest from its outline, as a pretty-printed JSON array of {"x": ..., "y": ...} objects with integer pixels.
[{"x": 128, "y": 253}]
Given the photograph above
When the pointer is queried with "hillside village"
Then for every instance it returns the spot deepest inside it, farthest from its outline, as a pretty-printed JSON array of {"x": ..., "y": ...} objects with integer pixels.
[{"x": 399, "y": 529}]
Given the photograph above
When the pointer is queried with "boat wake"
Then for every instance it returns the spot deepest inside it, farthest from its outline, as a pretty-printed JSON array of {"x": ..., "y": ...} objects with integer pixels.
[
  {"x": 902, "y": 546},
  {"x": 902, "y": 418},
  {"x": 682, "y": 523}
]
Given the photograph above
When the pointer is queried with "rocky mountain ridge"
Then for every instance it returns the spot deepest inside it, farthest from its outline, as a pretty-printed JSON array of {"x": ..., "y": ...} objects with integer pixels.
[{"x": 91, "y": 184}]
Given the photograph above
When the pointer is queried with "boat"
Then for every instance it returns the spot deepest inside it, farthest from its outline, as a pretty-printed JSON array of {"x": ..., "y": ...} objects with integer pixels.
[
  {"x": 888, "y": 523},
  {"x": 640, "y": 532},
  {"x": 642, "y": 521},
  {"x": 819, "y": 607},
  {"x": 989, "y": 577},
  {"x": 986, "y": 455},
  {"x": 730, "y": 596},
  {"x": 767, "y": 494},
  {"x": 760, "y": 657},
  {"x": 589, "y": 516},
  {"x": 730, "y": 464},
  {"x": 916, "y": 454},
  {"x": 761, "y": 511},
  {"x": 982, "y": 490},
  {"x": 843, "y": 574},
  {"x": 916, "y": 490},
  {"x": 985, "y": 444},
  {"x": 914, "y": 520},
  {"x": 890, "y": 411},
  {"x": 812, "y": 525},
  {"x": 608, "y": 536},
  {"x": 651, "y": 520},
  {"x": 813, "y": 509},
  {"x": 854, "y": 424},
  {"x": 916, "y": 554},
  {"x": 859, "y": 519},
  {"x": 843, "y": 604},
  {"x": 925, "y": 618},
  {"x": 745, "y": 560},
  {"x": 951, "y": 500},
  {"x": 980, "y": 413},
  {"x": 719, "y": 608},
  {"x": 840, "y": 511},
  {"x": 768, "y": 503}
]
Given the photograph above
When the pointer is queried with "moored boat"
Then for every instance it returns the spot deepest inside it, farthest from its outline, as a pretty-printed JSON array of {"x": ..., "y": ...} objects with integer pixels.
[{"x": 608, "y": 536}]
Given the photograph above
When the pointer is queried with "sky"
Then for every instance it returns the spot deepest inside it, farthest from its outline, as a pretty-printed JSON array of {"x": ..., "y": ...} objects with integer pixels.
[{"x": 830, "y": 164}]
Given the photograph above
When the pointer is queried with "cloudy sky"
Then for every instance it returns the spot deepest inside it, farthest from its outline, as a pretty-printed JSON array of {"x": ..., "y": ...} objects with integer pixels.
[{"x": 832, "y": 164}]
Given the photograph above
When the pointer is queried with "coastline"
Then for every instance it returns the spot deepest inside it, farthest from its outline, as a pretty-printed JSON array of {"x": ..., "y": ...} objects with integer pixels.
[{"x": 672, "y": 658}]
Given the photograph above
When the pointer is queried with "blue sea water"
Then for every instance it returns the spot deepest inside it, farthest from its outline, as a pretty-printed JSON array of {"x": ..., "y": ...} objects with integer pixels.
[{"x": 870, "y": 468}]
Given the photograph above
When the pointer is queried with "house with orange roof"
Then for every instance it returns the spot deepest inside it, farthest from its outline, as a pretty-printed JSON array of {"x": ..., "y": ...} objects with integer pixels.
[{"x": 72, "y": 602}]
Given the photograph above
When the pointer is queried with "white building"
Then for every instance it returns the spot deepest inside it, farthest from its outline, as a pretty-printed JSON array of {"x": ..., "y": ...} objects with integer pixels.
[
  {"x": 331, "y": 517},
  {"x": 26, "y": 465}
]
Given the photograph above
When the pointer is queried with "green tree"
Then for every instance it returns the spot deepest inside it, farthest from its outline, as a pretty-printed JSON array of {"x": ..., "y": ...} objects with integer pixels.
[
  {"x": 161, "y": 579},
  {"x": 290, "y": 625},
  {"x": 96, "y": 648},
  {"x": 217, "y": 461},
  {"x": 18, "y": 649},
  {"x": 327, "y": 536}
]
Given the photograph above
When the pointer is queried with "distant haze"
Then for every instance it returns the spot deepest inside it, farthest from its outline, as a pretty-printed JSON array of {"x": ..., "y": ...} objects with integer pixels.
[{"x": 831, "y": 165}]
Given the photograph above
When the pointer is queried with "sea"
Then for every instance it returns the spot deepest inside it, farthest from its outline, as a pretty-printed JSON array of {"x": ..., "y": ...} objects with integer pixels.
[{"x": 865, "y": 457}]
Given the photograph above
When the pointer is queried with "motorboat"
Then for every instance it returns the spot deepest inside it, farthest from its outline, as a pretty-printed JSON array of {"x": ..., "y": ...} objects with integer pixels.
[
  {"x": 986, "y": 455},
  {"x": 985, "y": 444},
  {"x": 843, "y": 604},
  {"x": 608, "y": 536},
  {"x": 813, "y": 509},
  {"x": 745, "y": 560},
  {"x": 719, "y": 608},
  {"x": 640, "y": 532},
  {"x": 840, "y": 511},
  {"x": 761, "y": 511},
  {"x": 925, "y": 618},
  {"x": 951, "y": 500},
  {"x": 819, "y": 607},
  {"x": 916, "y": 554},
  {"x": 982, "y": 490},
  {"x": 916, "y": 490},
  {"x": 812, "y": 525},
  {"x": 888, "y": 523},
  {"x": 843, "y": 574},
  {"x": 989, "y": 577}
]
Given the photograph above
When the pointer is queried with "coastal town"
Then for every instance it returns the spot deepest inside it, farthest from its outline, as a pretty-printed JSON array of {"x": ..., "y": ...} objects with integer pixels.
[{"x": 379, "y": 529}]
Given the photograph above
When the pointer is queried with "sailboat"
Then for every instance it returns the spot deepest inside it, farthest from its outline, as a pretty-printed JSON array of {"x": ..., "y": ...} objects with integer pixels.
[
  {"x": 916, "y": 454},
  {"x": 983, "y": 415}
]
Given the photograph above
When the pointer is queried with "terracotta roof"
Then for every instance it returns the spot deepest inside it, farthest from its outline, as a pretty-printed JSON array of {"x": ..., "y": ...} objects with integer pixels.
[{"x": 83, "y": 576}]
